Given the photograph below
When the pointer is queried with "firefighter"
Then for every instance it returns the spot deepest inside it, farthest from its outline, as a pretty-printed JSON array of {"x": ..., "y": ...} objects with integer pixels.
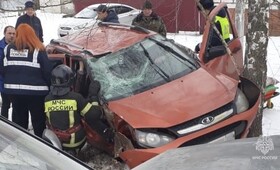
[{"x": 65, "y": 109}]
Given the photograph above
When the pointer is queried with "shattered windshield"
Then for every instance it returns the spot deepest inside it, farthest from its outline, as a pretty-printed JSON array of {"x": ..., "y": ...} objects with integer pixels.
[{"x": 140, "y": 67}]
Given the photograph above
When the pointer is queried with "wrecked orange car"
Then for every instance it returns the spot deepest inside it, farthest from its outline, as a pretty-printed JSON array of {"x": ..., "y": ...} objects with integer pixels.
[{"x": 158, "y": 95}]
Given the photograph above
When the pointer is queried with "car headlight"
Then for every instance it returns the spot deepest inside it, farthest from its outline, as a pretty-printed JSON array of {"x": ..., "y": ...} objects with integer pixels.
[
  {"x": 241, "y": 102},
  {"x": 151, "y": 139},
  {"x": 80, "y": 26}
]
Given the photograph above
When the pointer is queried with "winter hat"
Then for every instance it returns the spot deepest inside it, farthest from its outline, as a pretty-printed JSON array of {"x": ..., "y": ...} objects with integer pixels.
[
  {"x": 101, "y": 8},
  {"x": 29, "y": 4},
  {"x": 206, "y": 4},
  {"x": 147, "y": 5}
]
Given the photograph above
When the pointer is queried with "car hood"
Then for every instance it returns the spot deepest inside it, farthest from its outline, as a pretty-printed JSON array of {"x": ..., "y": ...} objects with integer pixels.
[
  {"x": 73, "y": 22},
  {"x": 178, "y": 101}
]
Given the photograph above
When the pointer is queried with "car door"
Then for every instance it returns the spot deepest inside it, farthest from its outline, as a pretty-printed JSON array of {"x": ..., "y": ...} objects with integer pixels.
[{"x": 228, "y": 60}]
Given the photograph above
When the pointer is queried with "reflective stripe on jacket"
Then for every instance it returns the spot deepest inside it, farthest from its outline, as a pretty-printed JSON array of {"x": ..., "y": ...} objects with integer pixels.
[
  {"x": 65, "y": 112},
  {"x": 26, "y": 73},
  {"x": 224, "y": 23}
]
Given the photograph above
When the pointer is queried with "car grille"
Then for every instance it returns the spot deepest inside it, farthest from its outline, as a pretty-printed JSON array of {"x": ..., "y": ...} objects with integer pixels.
[
  {"x": 204, "y": 121},
  {"x": 65, "y": 28},
  {"x": 237, "y": 127}
]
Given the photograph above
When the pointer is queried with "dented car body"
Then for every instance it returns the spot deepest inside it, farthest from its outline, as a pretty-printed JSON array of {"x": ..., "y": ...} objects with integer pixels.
[{"x": 158, "y": 95}]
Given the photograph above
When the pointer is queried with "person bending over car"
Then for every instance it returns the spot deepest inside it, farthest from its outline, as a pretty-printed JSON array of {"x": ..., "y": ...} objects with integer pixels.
[
  {"x": 65, "y": 110},
  {"x": 106, "y": 15}
]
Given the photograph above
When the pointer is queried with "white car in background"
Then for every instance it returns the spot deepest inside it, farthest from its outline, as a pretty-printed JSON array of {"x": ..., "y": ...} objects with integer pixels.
[{"x": 87, "y": 17}]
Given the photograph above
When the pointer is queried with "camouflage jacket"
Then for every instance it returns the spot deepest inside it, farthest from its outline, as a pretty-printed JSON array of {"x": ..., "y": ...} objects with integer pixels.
[{"x": 152, "y": 22}]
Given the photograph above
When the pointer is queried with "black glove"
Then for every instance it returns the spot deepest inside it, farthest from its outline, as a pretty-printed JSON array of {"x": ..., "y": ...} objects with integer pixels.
[
  {"x": 109, "y": 135},
  {"x": 93, "y": 91}
]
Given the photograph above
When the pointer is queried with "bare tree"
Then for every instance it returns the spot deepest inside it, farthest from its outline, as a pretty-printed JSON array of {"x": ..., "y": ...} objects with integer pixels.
[
  {"x": 37, "y": 4},
  {"x": 256, "y": 53}
]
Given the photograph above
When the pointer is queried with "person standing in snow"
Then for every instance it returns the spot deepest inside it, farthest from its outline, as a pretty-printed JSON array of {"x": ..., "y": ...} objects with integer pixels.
[
  {"x": 27, "y": 70},
  {"x": 32, "y": 20},
  {"x": 150, "y": 20},
  {"x": 9, "y": 37}
]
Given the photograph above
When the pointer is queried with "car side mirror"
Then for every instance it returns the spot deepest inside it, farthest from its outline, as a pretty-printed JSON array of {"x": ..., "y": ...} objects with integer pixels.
[
  {"x": 51, "y": 137},
  {"x": 214, "y": 52}
]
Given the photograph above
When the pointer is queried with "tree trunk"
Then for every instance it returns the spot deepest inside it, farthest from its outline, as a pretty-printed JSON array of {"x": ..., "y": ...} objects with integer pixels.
[
  {"x": 37, "y": 4},
  {"x": 256, "y": 53}
]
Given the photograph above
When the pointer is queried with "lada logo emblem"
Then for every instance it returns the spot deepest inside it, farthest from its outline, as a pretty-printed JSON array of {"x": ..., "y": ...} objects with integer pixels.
[{"x": 207, "y": 120}]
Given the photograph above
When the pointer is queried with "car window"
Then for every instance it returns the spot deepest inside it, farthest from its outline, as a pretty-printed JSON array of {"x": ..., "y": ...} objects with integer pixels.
[
  {"x": 120, "y": 9},
  {"x": 113, "y": 8},
  {"x": 124, "y": 9},
  {"x": 86, "y": 13},
  {"x": 140, "y": 67}
]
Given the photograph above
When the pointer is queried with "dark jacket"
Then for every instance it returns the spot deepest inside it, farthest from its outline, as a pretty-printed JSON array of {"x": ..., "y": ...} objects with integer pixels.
[
  {"x": 215, "y": 39},
  {"x": 2, "y": 46},
  {"x": 60, "y": 110},
  {"x": 73, "y": 106},
  {"x": 26, "y": 73},
  {"x": 34, "y": 22},
  {"x": 111, "y": 17},
  {"x": 153, "y": 22}
]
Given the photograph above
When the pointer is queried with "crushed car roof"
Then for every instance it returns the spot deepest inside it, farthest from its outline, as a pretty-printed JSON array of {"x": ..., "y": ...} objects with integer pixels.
[{"x": 99, "y": 40}]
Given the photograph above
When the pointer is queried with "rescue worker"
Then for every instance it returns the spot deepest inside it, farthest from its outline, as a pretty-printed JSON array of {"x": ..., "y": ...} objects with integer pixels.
[
  {"x": 221, "y": 23},
  {"x": 27, "y": 72},
  {"x": 106, "y": 15},
  {"x": 150, "y": 20},
  {"x": 65, "y": 109}
]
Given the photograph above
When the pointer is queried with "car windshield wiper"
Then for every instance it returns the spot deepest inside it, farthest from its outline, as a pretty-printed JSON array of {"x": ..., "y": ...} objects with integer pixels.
[
  {"x": 164, "y": 75},
  {"x": 166, "y": 47}
]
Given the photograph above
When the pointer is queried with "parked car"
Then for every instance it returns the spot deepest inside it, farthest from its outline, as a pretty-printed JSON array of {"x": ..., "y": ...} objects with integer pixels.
[
  {"x": 159, "y": 95},
  {"x": 19, "y": 149},
  {"x": 250, "y": 153},
  {"x": 87, "y": 17}
]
